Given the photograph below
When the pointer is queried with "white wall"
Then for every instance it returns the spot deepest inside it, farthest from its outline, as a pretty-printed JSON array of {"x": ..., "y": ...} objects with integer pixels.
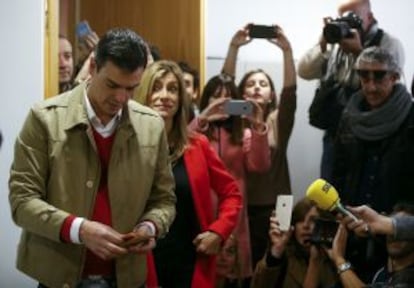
[
  {"x": 21, "y": 78},
  {"x": 302, "y": 23}
]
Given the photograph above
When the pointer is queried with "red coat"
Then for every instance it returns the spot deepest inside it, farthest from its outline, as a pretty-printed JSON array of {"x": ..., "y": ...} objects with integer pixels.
[{"x": 207, "y": 173}]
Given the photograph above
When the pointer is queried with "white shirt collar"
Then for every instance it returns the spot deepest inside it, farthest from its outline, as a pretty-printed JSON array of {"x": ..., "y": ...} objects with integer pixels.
[{"x": 104, "y": 130}]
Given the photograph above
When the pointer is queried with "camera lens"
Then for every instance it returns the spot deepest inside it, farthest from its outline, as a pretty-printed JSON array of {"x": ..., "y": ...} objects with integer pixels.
[{"x": 335, "y": 31}]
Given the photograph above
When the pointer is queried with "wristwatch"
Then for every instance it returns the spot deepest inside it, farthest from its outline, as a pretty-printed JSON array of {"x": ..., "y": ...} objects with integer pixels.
[{"x": 344, "y": 267}]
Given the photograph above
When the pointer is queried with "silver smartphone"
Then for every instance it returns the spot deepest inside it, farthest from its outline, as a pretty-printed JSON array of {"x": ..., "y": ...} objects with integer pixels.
[
  {"x": 284, "y": 206},
  {"x": 238, "y": 107}
]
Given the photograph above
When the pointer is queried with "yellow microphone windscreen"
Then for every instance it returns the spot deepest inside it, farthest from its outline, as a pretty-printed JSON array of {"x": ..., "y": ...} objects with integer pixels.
[{"x": 323, "y": 194}]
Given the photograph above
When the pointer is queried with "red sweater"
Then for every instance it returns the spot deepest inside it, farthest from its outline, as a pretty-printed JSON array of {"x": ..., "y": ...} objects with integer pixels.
[{"x": 101, "y": 213}]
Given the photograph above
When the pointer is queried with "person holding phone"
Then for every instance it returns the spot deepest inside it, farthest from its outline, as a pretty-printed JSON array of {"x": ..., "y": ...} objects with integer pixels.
[
  {"x": 87, "y": 41},
  {"x": 291, "y": 260},
  {"x": 71, "y": 74},
  {"x": 186, "y": 256},
  {"x": 241, "y": 141},
  {"x": 279, "y": 112}
]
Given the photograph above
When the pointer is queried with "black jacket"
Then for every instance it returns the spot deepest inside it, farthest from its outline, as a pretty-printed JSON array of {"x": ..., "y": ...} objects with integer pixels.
[{"x": 384, "y": 169}]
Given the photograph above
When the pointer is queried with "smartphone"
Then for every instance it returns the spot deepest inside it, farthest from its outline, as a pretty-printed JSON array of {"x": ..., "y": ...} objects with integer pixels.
[
  {"x": 324, "y": 232},
  {"x": 83, "y": 29},
  {"x": 238, "y": 107},
  {"x": 262, "y": 31},
  {"x": 133, "y": 239},
  {"x": 284, "y": 206}
]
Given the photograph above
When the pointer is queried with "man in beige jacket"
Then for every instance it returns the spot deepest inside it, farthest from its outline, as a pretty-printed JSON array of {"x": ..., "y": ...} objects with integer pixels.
[{"x": 91, "y": 183}]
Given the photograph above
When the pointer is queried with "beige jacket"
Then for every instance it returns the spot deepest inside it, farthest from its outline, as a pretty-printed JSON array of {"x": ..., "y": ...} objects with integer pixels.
[{"x": 56, "y": 172}]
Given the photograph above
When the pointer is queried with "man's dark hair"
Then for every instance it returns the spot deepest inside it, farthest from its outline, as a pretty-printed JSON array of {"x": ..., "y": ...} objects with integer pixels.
[
  {"x": 123, "y": 47},
  {"x": 188, "y": 69},
  {"x": 155, "y": 52}
]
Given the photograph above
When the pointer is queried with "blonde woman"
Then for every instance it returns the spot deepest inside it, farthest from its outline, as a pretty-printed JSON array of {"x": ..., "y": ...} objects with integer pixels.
[{"x": 185, "y": 257}]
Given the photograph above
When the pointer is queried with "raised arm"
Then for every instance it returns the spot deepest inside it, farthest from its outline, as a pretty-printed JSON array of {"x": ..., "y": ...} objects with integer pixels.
[
  {"x": 281, "y": 121},
  {"x": 275, "y": 260},
  {"x": 348, "y": 277},
  {"x": 289, "y": 72},
  {"x": 239, "y": 39},
  {"x": 312, "y": 65}
]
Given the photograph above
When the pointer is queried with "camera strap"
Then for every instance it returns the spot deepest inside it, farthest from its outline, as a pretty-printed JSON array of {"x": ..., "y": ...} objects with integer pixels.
[{"x": 375, "y": 41}]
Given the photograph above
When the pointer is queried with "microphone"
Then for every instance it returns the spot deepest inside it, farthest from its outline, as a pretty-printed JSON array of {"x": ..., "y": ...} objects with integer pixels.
[{"x": 325, "y": 196}]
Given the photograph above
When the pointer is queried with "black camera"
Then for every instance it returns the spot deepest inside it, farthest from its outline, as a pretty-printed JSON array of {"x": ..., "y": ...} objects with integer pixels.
[
  {"x": 324, "y": 232},
  {"x": 340, "y": 28}
]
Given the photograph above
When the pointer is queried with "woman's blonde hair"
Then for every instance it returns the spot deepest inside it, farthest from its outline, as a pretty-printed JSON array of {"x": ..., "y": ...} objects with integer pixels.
[{"x": 178, "y": 136}]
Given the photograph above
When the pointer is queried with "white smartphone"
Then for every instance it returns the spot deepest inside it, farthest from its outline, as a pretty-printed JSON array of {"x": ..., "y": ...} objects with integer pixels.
[
  {"x": 284, "y": 206},
  {"x": 238, "y": 107}
]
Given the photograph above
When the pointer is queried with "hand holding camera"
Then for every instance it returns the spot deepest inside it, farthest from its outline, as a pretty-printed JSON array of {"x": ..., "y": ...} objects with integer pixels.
[
  {"x": 337, "y": 252},
  {"x": 324, "y": 232},
  {"x": 352, "y": 44},
  {"x": 337, "y": 29}
]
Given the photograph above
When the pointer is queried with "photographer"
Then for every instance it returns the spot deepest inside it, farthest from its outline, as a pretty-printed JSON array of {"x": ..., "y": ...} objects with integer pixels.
[
  {"x": 332, "y": 65},
  {"x": 292, "y": 261}
]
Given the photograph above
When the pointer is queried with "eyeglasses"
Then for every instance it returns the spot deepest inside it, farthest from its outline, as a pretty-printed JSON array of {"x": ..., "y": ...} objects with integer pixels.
[{"x": 376, "y": 75}]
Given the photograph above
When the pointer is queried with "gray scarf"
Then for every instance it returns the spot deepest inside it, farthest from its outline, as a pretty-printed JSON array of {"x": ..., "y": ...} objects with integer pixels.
[{"x": 378, "y": 123}]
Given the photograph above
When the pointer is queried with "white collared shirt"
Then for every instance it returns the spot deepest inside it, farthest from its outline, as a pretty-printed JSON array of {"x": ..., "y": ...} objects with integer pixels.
[{"x": 104, "y": 130}]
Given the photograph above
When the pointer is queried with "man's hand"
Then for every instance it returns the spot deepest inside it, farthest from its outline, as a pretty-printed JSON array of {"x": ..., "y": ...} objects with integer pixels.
[
  {"x": 337, "y": 252},
  {"x": 208, "y": 243},
  {"x": 141, "y": 240},
  {"x": 102, "y": 240},
  {"x": 371, "y": 221},
  {"x": 352, "y": 44}
]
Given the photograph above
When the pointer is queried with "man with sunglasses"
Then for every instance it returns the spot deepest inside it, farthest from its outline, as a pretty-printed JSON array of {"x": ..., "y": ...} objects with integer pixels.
[
  {"x": 374, "y": 147},
  {"x": 332, "y": 65}
]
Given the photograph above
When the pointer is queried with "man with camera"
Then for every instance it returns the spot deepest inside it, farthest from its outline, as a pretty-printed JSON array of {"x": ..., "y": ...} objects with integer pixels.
[{"x": 331, "y": 61}]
